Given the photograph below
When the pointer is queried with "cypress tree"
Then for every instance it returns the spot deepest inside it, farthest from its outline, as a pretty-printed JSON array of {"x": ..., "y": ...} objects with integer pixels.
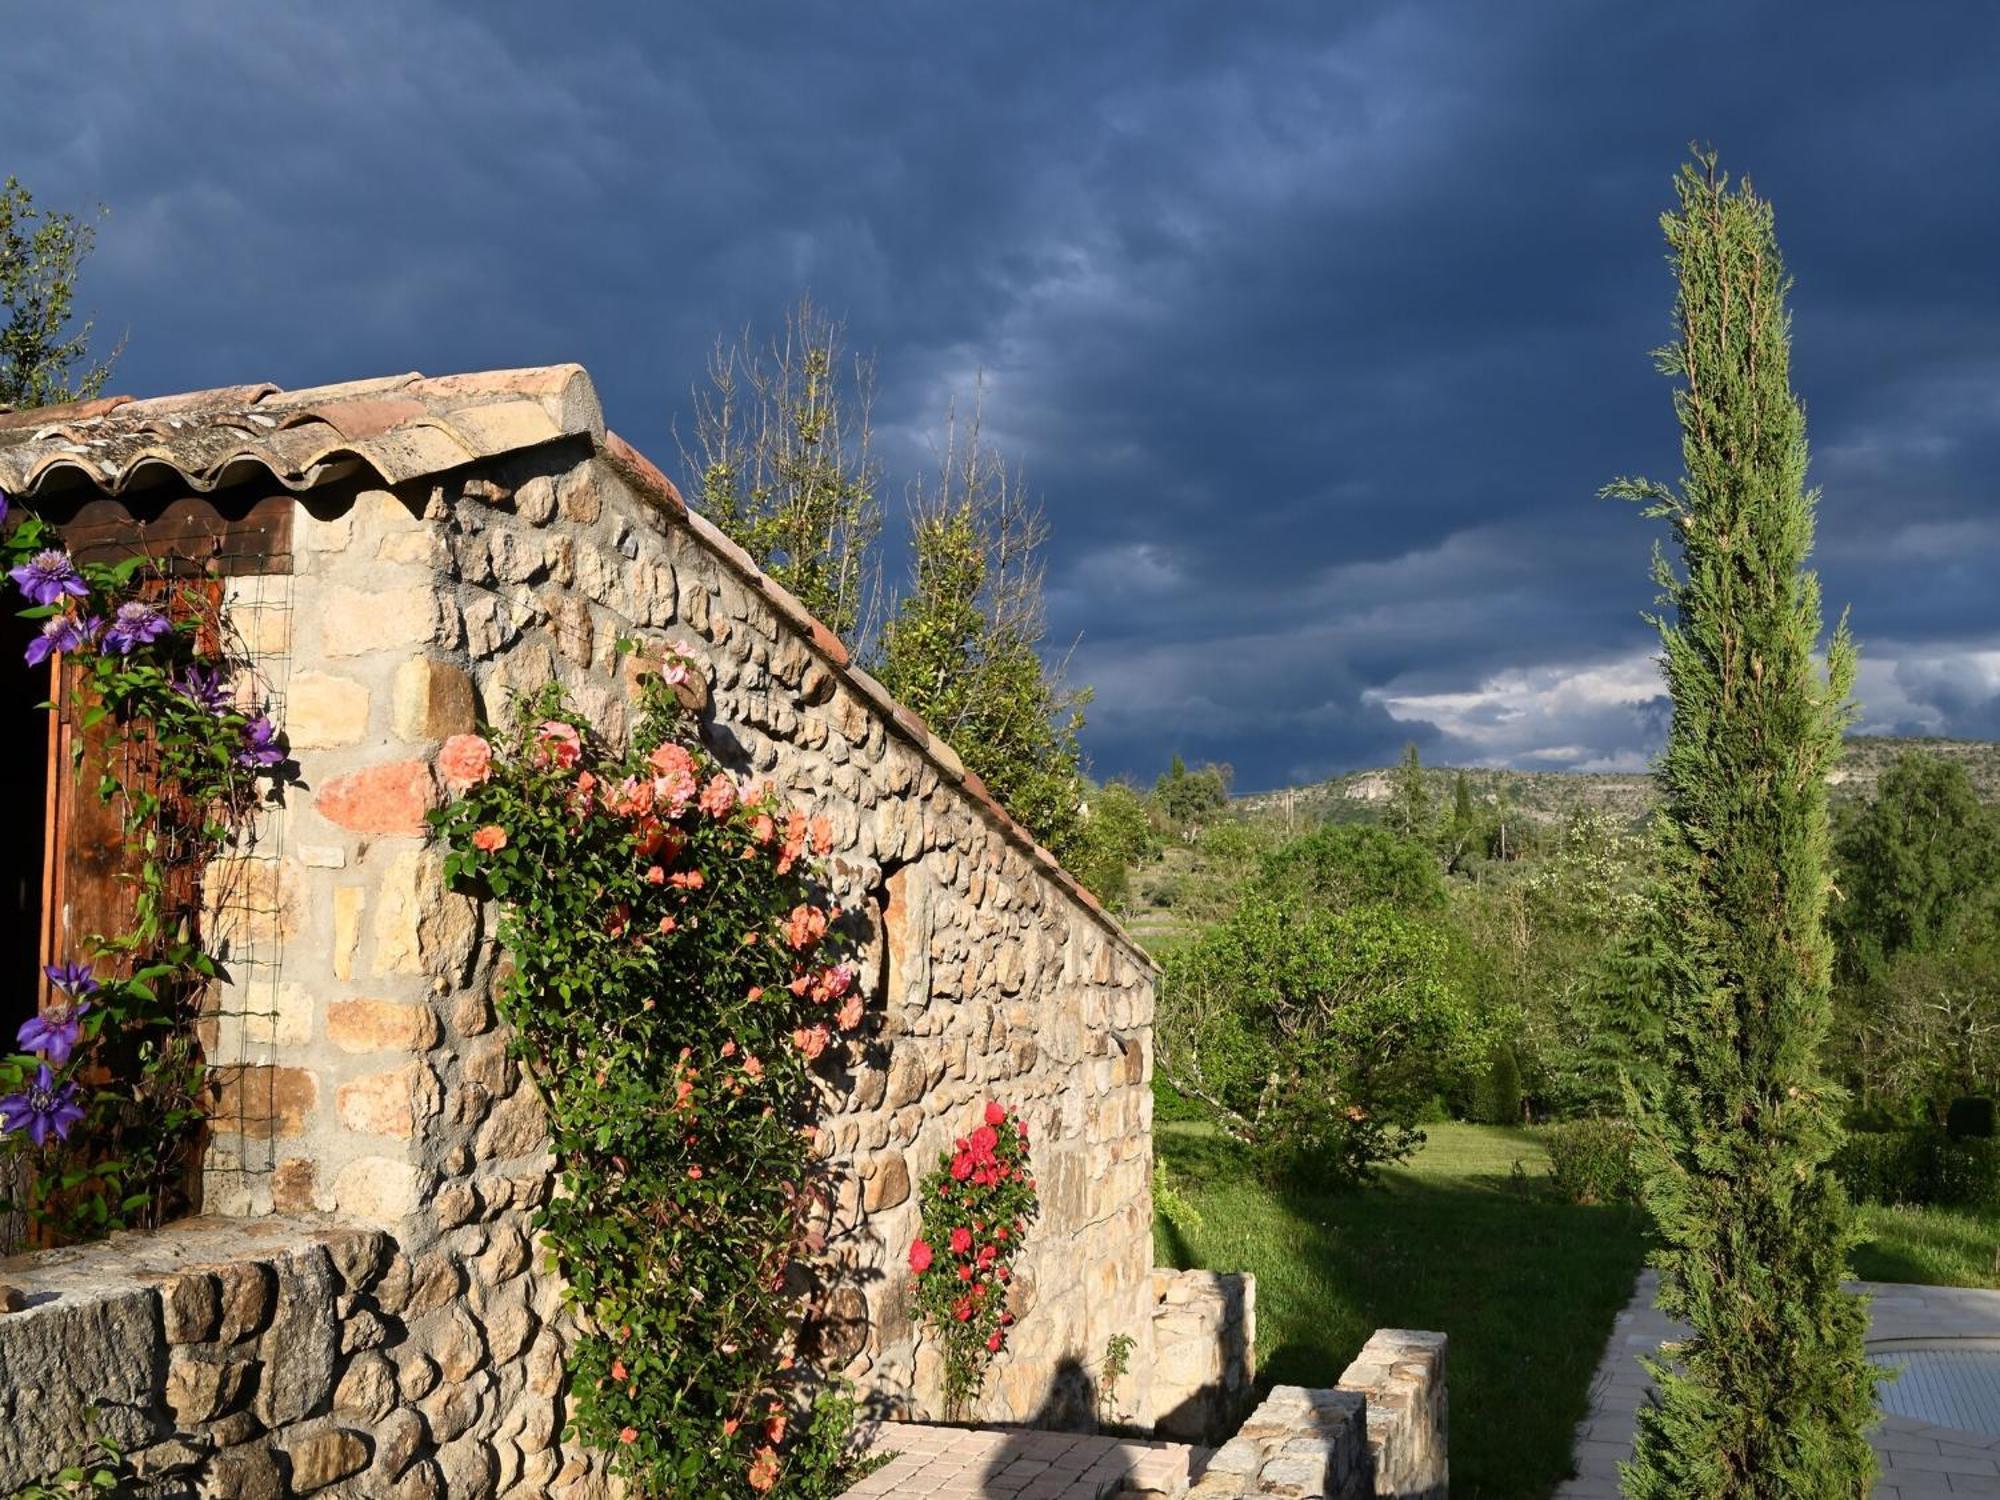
[{"x": 1768, "y": 1399}]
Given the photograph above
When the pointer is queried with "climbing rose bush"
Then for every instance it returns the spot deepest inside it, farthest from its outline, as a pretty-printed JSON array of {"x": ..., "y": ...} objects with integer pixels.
[
  {"x": 673, "y": 969},
  {"x": 976, "y": 1208},
  {"x": 105, "y": 1093}
]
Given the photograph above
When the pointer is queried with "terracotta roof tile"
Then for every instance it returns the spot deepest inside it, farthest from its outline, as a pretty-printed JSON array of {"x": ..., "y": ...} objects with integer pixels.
[{"x": 399, "y": 428}]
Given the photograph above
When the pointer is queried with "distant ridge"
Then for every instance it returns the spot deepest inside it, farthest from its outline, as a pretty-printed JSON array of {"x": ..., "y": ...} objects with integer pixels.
[{"x": 1551, "y": 796}]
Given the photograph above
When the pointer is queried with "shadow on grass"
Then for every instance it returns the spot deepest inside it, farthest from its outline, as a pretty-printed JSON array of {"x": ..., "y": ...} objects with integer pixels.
[
  {"x": 1931, "y": 1246},
  {"x": 1525, "y": 1284}
]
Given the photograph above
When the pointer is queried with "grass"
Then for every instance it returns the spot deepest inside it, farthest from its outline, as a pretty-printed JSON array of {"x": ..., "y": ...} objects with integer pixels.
[
  {"x": 1935, "y": 1246},
  {"x": 1456, "y": 1239}
]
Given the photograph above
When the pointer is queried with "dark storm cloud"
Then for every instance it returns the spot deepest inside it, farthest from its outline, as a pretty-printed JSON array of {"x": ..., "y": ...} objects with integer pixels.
[{"x": 1317, "y": 327}]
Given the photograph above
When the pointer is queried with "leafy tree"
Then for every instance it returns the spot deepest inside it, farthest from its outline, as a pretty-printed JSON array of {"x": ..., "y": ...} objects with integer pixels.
[
  {"x": 1116, "y": 834},
  {"x": 1935, "y": 1027},
  {"x": 1462, "y": 833},
  {"x": 1318, "y": 1036},
  {"x": 1770, "y": 1395},
  {"x": 782, "y": 463},
  {"x": 1344, "y": 865},
  {"x": 42, "y": 361},
  {"x": 1190, "y": 800},
  {"x": 1916, "y": 861},
  {"x": 1410, "y": 810},
  {"x": 963, "y": 648}
]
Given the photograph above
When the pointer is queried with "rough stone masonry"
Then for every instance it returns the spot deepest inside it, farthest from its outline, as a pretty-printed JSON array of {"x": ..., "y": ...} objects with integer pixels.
[{"x": 455, "y": 542}]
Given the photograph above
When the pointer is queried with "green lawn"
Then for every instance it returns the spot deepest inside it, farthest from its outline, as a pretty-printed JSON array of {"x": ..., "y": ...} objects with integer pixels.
[
  {"x": 1937, "y": 1246},
  {"x": 1526, "y": 1285}
]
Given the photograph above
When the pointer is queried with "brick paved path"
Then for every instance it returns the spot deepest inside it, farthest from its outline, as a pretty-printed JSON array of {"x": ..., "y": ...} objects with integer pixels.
[
  {"x": 1919, "y": 1460},
  {"x": 1021, "y": 1464}
]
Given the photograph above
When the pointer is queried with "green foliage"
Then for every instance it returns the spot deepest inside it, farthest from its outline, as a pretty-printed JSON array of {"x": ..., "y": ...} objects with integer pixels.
[
  {"x": 1969, "y": 1118},
  {"x": 1190, "y": 801},
  {"x": 1924, "y": 1166},
  {"x": 1410, "y": 810},
  {"x": 1915, "y": 863},
  {"x": 1117, "y": 1362},
  {"x": 963, "y": 648},
  {"x": 1770, "y": 1394},
  {"x": 1345, "y": 865},
  {"x": 976, "y": 1207},
  {"x": 42, "y": 253},
  {"x": 783, "y": 463},
  {"x": 1318, "y": 1036},
  {"x": 1590, "y": 1160},
  {"x": 1499, "y": 1098},
  {"x": 166, "y": 741},
  {"x": 674, "y": 972},
  {"x": 1116, "y": 833}
]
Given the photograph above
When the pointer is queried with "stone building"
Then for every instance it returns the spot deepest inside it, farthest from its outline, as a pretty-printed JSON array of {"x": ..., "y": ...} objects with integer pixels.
[
  {"x": 358, "y": 1308},
  {"x": 359, "y": 1297}
]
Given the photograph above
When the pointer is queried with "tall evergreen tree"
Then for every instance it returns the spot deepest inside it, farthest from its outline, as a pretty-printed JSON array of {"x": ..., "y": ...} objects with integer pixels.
[
  {"x": 1412, "y": 805},
  {"x": 1769, "y": 1397}
]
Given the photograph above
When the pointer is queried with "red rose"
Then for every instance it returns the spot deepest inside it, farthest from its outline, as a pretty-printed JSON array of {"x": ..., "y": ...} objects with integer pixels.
[
  {"x": 963, "y": 1311},
  {"x": 920, "y": 1257},
  {"x": 996, "y": 1114},
  {"x": 993, "y": 1342},
  {"x": 983, "y": 1141},
  {"x": 961, "y": 1240},
  {"x": 961, "y": 1166}
]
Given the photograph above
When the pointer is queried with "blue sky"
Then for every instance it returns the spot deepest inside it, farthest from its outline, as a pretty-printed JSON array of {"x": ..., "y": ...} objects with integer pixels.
[{"x": 1315, "y": 326}]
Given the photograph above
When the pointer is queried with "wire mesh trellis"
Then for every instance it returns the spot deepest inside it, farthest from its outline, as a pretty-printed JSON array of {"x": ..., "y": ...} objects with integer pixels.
[{"x": 232, "y": 571}]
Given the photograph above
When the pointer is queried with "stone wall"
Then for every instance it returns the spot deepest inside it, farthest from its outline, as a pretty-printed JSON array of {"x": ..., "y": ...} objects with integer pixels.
[
  {"x": 1401, "y": 1372},
  {"x": 1204, "y": 1352},
  {"x": 1297, "y": 1445},
  {"x": 365, "y": 1083},
  {"x": 265, "y": 1357},
  {"x": 1381, "y": 1434}
]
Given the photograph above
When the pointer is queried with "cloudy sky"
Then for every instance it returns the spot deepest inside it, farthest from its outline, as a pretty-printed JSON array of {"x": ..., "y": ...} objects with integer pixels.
[{"x": 1316, "y": 325}]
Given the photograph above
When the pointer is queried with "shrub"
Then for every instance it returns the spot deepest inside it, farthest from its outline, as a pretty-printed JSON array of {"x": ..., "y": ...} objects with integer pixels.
[
  {"x": 1497, "y": 1100},
  {"x": 1317, "y": 1037},
  {"x": 1969, "y": 1119},
  {"x": 1590, "y": 1161},
  {"x": 674, "y": 969},
  {"x": 977, "y": 1205},
  {"x": 1921, "y": 1167}
]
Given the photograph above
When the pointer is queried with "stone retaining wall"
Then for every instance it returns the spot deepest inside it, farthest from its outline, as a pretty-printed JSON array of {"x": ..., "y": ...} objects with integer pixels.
[
  {"x": 1204, "y": 1352},
  {"x": 278, "y": 1356},
  {"x": 1381, "y": 1433},
  {"x": 1402, "y": 1374}
]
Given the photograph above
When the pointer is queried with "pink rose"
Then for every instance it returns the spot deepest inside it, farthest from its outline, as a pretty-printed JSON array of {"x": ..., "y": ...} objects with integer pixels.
[
  {"x": 718, "y": 798},
  {"x": 465, "y": 760},
  {"x": 557, "y": 744}
]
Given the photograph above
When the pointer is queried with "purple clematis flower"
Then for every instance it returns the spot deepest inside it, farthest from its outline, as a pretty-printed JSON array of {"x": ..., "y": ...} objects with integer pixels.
[
  {"x": 47, "y": 576},
  {"x": 72, "y": 979},
  {"x": 42, "y": 1108},
  {"x": 261, "y": 745},
  {"x": 61, "y": 633},
  {"x": 135, "y": 625},
  {"x": 55, "y": 1032},
  {"x": 3, "y": 507},
  {"x": 204, "y": 687}
]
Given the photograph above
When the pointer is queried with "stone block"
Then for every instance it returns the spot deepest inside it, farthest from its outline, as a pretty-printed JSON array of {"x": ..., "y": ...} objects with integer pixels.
[
  {"x": 72, "y": 1370},
  {"x": 326, "y": 1456},
  {"x": 354, "y": 622},
  {"x": 381, "y": 1026},
  {"x": 389, "y": 798},
  {"x": 324, "y": 710},
  {"x": 263, "y": 1101},
  {"x": 382, "y": 1103},
  {"x": 432, "y": 700},
  {"x": 376, "y": 1189}
]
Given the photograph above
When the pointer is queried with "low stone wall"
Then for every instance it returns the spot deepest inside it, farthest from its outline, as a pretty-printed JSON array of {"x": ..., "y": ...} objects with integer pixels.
[
  {"x": 1204, "y": 1352},
  {"x": 1401, "y": 1372},
  {"x": 1381, "y": 1433},
  {"x": 278, "y": 1356},
  {"x": 1299, "y": 1445}
]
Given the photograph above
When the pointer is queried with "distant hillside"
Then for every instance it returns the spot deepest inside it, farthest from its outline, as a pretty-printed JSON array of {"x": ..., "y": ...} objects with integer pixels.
[{"x": 1551, "y": 796}]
